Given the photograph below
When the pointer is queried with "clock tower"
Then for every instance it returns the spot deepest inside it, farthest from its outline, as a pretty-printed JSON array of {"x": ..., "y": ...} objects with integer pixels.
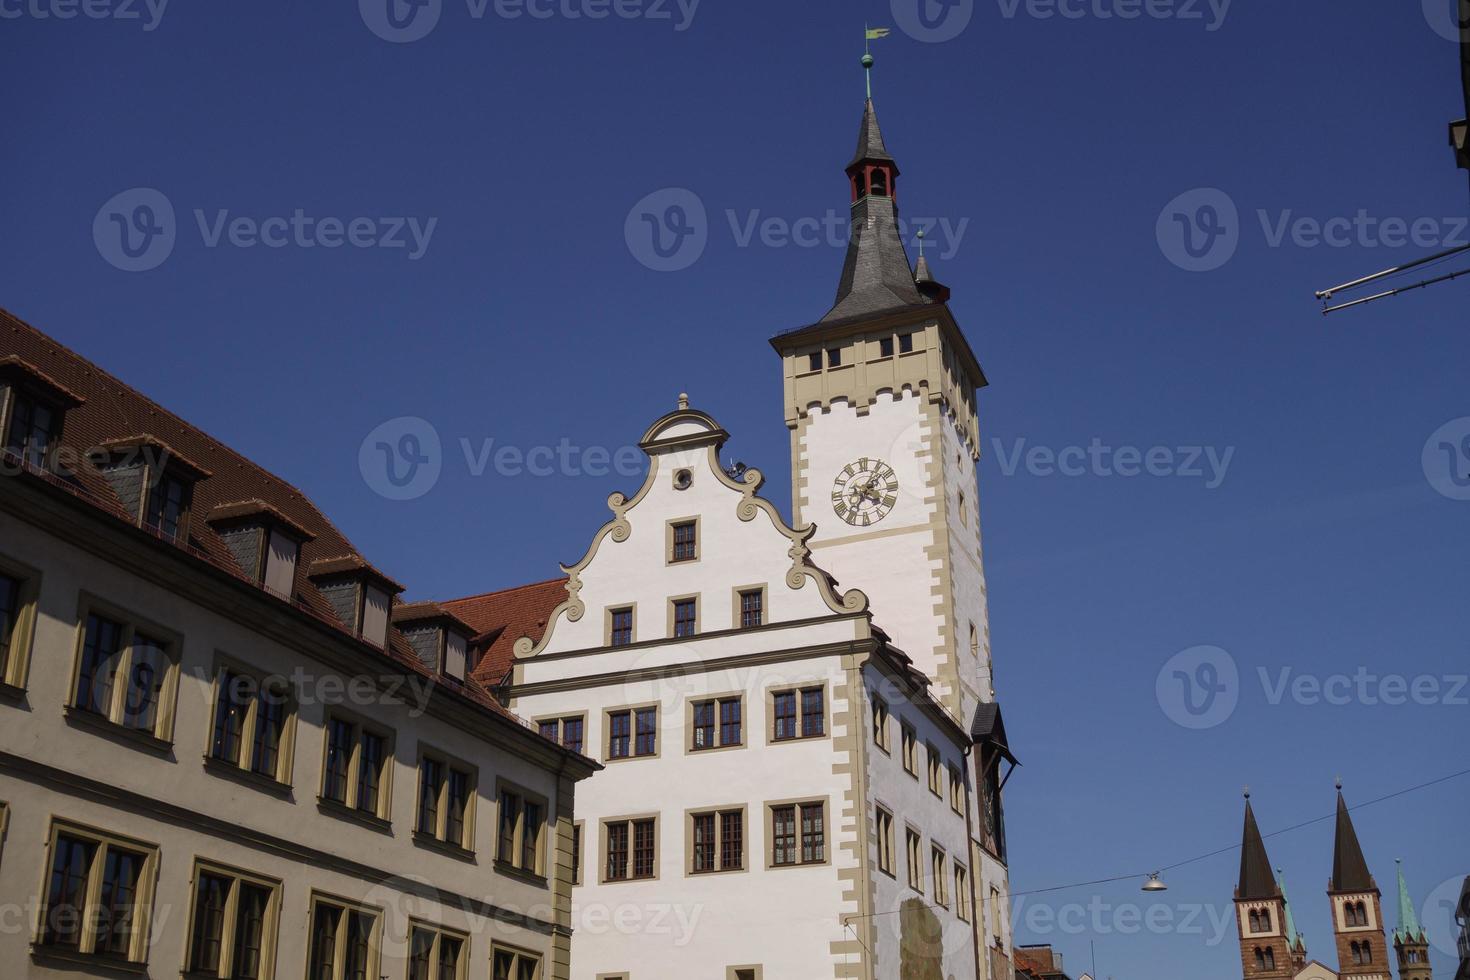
[{"x": 880, "y": 401}]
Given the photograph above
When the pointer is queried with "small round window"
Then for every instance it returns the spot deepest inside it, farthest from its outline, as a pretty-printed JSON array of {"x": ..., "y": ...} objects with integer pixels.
[{"x": 683, "y": 479}]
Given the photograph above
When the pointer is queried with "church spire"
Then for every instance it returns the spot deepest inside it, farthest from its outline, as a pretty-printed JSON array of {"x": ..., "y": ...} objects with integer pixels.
[
  {"x": 1256, "y": 880},
  {"x": 1409, "y": 930},
  {"x": 1293, "y": 938},
  {"x": 1349, "y": 868},
  {"x": 876, "y": 275}
]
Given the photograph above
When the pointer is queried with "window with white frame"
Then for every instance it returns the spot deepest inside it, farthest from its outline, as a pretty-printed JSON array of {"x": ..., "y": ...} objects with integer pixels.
[
  {"x": 446, "y": 801},
  {"x": 435, "y": 953},
  {"x": 509, "y": 963},
  {"x": 98, "y": 894},
  {"x": 345, "y": 940},
  {"x": 127, "y": 673},
  {"x": 358, "y": 765},
  {"x": 232, "y": 934},
  {"x": 253, "y": 723}
]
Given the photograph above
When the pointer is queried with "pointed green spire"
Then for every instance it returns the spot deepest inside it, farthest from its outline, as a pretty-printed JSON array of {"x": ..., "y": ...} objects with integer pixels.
[
  {"x": 1409, "y": 930},
  {"x": 1293, "y": 937}
]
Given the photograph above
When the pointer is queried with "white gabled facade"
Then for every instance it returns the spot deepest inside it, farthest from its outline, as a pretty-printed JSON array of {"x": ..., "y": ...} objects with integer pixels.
[{"x": 845, "y": 907}]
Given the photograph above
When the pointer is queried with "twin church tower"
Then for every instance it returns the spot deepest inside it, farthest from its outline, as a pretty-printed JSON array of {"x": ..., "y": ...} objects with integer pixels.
[{"x": 1272, "y": 949}]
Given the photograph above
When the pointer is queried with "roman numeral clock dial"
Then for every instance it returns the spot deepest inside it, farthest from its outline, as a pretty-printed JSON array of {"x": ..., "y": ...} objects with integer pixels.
[{"x": 864, "y": 492}]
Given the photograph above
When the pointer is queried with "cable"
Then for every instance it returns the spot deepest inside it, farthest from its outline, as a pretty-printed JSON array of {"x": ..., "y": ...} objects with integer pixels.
[{"x": 1236, "y": 847}]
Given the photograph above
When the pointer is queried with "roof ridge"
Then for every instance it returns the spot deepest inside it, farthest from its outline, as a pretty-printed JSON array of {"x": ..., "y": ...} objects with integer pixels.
[
  {"x": 214, "y": 441},
  {"x": 511, "y": 588}
]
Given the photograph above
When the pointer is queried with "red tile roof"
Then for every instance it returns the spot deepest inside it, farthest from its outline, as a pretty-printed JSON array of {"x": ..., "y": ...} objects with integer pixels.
[
  {"x": 503, "y": 617},
  {"x": 109, "y": 412}
]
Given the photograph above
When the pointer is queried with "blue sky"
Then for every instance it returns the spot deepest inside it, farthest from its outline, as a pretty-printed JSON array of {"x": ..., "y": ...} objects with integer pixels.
[{"x": 1046, "y": 149}]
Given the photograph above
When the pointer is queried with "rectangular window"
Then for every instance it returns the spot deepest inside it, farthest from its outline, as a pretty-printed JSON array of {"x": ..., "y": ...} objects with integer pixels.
[
  {"x": 880, "y": 723},
  {"x": 962, "y": 892},
  {"x": 798, "y": 834},
  {"x": 11, "y": 589},
  {"x": 344, "y": 942},
  {"x": 577, "y": 854},
  {"x": 914, "y": 848},
  {"x": 686, "y": 617},
  {"x": 435, "y": 954},
  {"x": 252, "y": 725},
  {"x": 885, "y": 841},
  {"x": 717, "y": 841},
  {"x": 126, "y": 674},
  {"x": 936, "y": 769},
  {"x": 905, "y": 343},
  {"x": 567, "y": 731},
  {"x": 716, "y": 723},
  {"x": 751, "y": 611},
  {"x": 522, "y": 830},
  {"x": 885, "y": 346},
  {"x": 814, "y": 362},
  {"x": 645, "y": 737},
  {"x": 940, "y": 877},
  {"x": 996, "y": 914},
  {"x": 834, "y": 357},
  {"x": 685, "y": 546},
  {"x": 910, "y": 749},
  {"x": 621, "y": 627},
  {"x": 233, "y": 932},
  {"x": 32, "y": 430},
  {"x": 446, "y": 802},
  {"x": 619, "y": 734},
  {"x": 166, "y": 506},
  {"x": 98, "y": 895},
  {"x": 798, "y": 714},
  {"x": 632, "y": 848},
  {"x": 514, "y": 964},
  {"x": 956, "y": 790}
]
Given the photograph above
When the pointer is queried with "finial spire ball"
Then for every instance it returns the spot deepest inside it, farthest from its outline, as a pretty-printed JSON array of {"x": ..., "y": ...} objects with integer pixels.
[
  {"x": 1338, "y": 781},
  {"x": 867, "y": 61},
  {"x": 683, "y": 400}
]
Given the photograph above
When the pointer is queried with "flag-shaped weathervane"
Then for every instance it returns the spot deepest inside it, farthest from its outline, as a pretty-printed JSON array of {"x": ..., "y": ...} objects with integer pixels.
[{"x": 871, "y": 34}]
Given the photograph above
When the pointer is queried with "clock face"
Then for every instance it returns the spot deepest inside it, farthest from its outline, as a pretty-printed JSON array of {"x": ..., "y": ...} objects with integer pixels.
[{"x": 865, "y": 492}]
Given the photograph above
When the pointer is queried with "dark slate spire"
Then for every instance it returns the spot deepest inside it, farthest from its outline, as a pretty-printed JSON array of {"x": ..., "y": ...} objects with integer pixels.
[
  {"x": 876, "y": 275},
  {"x": 1256, "y": 880},
  {"x": 870, "y": 140},
  {"x": 1349, "y": 869}
]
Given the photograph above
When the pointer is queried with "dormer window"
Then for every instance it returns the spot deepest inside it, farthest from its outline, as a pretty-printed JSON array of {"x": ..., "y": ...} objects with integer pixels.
[
  {"x": 440, "y": 639},
  {"x": 166, "y": 506},
  {"x": 32, "y": 430},
  {"x": 155, "y": 481},
  {"x": 32, "y": 406},
  {"x": 265, "y": 542},
  {"x": 361, "y": 596}
]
